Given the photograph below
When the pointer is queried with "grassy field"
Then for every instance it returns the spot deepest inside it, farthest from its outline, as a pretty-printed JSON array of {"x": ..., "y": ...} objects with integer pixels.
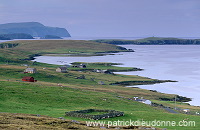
[
  {"x": 46, "y": 97},
  {"x": 63, "y": 46},
  {"x": 56, "y": 93},
  {"x": 20, "y": 51},
  {"x": 54, "y": 101},
  {"x": 38, "y": 122},
  {"x": 106, "y": 66}
]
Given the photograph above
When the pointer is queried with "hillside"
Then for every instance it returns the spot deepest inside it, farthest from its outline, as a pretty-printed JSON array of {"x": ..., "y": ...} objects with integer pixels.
[
  {"x": 51, "y": 37},
  {"x": 47, "y": 97},
  {"x": 18, "y": 50},
  {"x": 35, "y": 29},
  {"x": 37, "y": 122},
  {"x": 15, "y": 36},
  {"x": 151, "y": 41},
  {"x": 55, "y": 93},
  {"x": 63, "y": 46},
  {"x": 4, "y": 38}
]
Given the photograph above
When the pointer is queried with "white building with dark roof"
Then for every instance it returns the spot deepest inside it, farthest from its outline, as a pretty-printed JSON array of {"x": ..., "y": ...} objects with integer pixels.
[
  {"x": 30, "y": 70},
  {"x": 61, "y": 69}
]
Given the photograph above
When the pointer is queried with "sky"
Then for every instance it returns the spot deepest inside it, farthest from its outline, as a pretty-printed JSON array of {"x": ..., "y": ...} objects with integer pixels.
[{"x": 109, "y": 18}]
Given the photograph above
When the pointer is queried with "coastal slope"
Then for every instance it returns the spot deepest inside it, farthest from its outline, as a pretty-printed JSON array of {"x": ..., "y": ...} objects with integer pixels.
[
  {"x": 19, "y": 50},
  {"x": 56, "y": 93}
]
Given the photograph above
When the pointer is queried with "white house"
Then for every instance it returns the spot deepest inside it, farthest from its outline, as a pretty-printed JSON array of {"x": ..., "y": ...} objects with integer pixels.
[
  {"x": 61, "y": 69},
  {"x": 30, "y": 70}
]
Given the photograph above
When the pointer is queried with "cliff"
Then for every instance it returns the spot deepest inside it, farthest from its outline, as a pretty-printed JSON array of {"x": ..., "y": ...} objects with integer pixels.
[{"x": 35, "y": 29}]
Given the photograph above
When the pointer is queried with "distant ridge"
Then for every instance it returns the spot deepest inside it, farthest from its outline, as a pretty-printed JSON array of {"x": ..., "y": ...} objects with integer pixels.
[
  {"x": 15, "y": 36},
  {"x": 35, "y": 29},
  {"x": 151, "y": 41}
]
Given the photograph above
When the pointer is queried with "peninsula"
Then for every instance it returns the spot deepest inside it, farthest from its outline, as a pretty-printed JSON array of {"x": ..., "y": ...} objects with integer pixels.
[{"x": 151, "y": 41}]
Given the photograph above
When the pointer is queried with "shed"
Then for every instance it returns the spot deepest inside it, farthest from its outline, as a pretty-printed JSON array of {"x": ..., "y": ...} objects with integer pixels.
[
  {"x": 97, "y": 71},
  {"x": 61, "y": 69},
  {"x": 82, "y": 66},
  {"x": 108, "y": 72},
  {"x": 79, "y": 66},
  {"x": 75, "y": 66},
  {"x": 186, "y": 110},
  {"x": 101, "y": 83},
  {"x": 28, "y": 79},
  {"x": 30, "y": 70}
]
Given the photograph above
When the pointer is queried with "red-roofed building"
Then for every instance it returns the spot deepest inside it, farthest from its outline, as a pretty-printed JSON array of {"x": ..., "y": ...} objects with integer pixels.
[{"x": 29, "y": 79}]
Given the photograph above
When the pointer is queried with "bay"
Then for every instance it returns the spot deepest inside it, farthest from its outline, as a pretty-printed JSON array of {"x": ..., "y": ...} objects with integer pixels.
[{"x": 167, "y": 62}]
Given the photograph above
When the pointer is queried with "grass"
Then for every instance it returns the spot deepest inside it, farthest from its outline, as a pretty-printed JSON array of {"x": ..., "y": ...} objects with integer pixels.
[
  {"x": 54, "y": 101},
  {"x": 46, "y": 97},
  {"x": 105, "y": 66},
  {"x": 27, "y": 49},
  {"x": 63, "y": 46},
  {"x": 32, "y": 122},
  {"x": 49, "y": 75}
]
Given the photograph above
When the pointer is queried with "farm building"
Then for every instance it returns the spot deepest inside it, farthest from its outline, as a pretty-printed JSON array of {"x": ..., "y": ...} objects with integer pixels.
[
  {"x": 79, "y": 66},
  {"x": 186, "y": 110},
  {"x": 82, "y": 66},
  {"x": 108, "y": 72},
  {"x": 61, "y": 69},
  {"x": 101, "y": 83},
  {"x": 30, "y": 70},
  {"x": 145, "y": 101},
  {"x": 98, "y": 71},
  {"x": 29, "y": 79},
  {"x": 103, "y": 71}
]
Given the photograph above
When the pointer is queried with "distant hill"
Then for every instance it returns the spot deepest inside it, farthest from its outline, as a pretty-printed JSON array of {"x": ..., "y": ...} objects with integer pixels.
[
  {"x": 15, "y": 36},
  {"x": 151, "y": 41},
  {"x": 4, "y": 38},
  {"x": 35, "y": 29},
  {"x": 51, "y": 37}
]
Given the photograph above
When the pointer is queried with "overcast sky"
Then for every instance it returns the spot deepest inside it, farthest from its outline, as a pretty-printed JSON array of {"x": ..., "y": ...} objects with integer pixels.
[{"x": 109, "y": 18}]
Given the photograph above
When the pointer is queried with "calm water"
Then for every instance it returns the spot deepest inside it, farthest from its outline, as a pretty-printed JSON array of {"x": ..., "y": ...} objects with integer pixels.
[{"x": 176, "y": 62}]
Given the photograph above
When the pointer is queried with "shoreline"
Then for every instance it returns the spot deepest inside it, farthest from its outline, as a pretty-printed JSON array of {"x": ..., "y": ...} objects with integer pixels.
[
  {"x": 42, "y": 52},
  {"x": 78, "y": 89},
  {"x": 144, "y": 88},
  {"x": 136, "y": 84}
]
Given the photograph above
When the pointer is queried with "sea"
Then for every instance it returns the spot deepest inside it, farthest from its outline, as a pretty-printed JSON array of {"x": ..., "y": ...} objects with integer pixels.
[{"x": 180, "y": 63}]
